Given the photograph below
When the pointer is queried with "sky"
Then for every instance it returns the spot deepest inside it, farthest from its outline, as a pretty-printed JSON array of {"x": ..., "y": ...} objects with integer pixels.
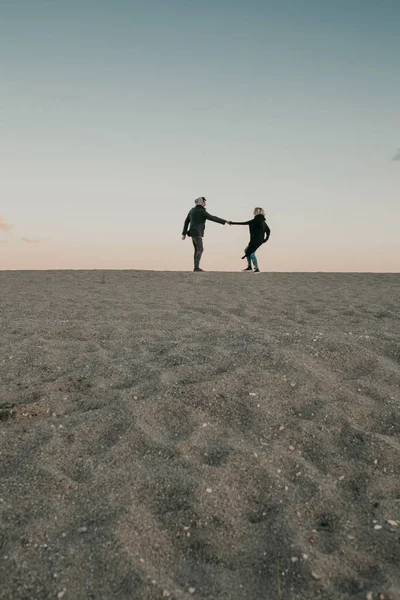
[{"x": 116, "y": 114}]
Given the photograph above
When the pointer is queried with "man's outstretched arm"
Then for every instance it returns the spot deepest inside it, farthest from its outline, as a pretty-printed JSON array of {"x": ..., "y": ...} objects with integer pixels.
[{"x": 216, "y": 219}]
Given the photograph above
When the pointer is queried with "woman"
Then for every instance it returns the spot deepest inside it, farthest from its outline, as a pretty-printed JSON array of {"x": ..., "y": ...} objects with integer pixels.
[{"x": 259, "y": 234}]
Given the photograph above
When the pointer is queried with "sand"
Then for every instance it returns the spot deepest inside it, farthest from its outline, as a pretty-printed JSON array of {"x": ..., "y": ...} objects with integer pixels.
[{"x": 227, "y": 436}]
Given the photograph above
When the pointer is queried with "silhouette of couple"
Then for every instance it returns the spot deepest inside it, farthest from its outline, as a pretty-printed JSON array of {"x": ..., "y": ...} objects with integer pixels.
[{"x": 195, "y": 224}]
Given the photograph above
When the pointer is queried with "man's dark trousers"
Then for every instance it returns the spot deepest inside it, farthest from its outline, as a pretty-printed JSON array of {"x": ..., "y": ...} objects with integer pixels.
[{"x": 198, "y": 250}]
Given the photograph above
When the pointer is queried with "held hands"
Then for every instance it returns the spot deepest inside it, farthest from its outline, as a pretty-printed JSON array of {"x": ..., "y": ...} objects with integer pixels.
[{"x": 229, "y": 222}]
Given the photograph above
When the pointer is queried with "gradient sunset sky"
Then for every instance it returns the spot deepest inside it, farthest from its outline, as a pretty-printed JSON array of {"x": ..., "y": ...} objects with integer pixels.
[{"x": 116, "y": 115}]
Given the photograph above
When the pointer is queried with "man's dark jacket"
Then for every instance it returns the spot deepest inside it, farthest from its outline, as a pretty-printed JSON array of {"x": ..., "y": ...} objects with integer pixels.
[{"x": 197, "y": 218}]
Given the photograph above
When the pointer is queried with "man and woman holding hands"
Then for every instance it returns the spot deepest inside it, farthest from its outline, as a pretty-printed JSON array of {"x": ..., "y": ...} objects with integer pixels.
[{"x": 195, "y": 223}]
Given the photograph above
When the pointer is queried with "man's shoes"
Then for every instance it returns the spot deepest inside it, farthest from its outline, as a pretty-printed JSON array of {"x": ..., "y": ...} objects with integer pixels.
[
  {"x": 256, "y": 270},
  {"x": 198, "y": 270},
  {"x": 247, "y": 268}
]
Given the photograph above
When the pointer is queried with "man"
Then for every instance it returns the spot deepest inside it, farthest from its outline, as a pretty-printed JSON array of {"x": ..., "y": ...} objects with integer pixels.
[{"x": 197, "y": 218}]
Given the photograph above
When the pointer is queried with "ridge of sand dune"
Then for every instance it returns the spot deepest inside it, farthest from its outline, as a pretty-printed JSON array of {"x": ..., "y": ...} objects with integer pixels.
[{"x": 222, "y": 436}]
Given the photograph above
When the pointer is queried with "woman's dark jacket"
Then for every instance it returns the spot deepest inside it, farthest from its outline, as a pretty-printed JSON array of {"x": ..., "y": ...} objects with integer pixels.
[{"x": 259, "y": 232}]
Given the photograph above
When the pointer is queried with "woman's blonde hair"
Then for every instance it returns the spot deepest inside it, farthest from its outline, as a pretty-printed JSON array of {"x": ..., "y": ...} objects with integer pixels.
[{"x": 259, "y": 211}]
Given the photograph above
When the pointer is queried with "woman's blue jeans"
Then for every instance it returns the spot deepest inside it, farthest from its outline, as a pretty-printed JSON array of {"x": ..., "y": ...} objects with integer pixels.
[{"x": 252, "y": 259}]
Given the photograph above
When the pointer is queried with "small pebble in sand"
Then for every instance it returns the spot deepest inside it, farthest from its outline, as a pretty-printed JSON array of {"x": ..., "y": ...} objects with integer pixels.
[
  {"x": 315, "y": 575},
  {"x": 393, "y": 523},
  {"x": 376, "y": 461},
  {"x": 208, "y": 490},
  {"x": 62, "y": 593},
  {"x": 192, "y": 590},
  {"x": 252, "y": 394},
  {"x": 370, "y": 596},
  {"x": 291, "y": 448},
  {"x": 377, "y": 527},
  {"x": 341, "y": 478},
  {"x": 281, "y": 428},
  {"x": 294, "y": 559},
  {"x": 305, "y": 556},
  {"x": 82, "y": 530},
  {"x": 166, "y": 594},
  {"x": 141, "y": 560}
]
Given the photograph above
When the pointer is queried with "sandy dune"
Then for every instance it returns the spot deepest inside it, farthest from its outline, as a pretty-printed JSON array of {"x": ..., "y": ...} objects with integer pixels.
[{"x": 210, "y": 436}]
